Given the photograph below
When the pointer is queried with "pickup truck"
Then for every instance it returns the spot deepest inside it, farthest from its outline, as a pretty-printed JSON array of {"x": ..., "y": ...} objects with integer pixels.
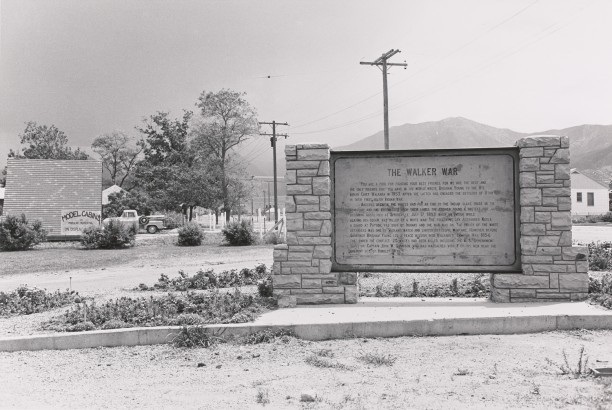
[{"x": 151, "y": 223}]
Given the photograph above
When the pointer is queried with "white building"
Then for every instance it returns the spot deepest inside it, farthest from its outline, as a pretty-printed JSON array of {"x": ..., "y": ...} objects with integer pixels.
[
  {"x": 589, "y": 197},
  {"x": 110, "y": 190}
]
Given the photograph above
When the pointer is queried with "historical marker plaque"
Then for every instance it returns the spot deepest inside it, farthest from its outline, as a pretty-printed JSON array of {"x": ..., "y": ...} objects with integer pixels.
[{"x": 442, "y": 210}]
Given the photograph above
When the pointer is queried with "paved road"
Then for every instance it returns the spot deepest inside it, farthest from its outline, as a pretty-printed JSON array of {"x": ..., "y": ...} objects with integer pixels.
[{"x": 584, "y": 234}]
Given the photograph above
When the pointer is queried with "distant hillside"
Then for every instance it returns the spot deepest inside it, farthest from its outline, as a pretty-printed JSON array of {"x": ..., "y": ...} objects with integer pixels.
[
  {"x": 448, "y": 133},
  {"x": 590, "y": 145}
]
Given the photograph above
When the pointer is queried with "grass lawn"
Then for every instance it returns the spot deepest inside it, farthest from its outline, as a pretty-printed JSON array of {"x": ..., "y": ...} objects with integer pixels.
[{"x": 65, "y": 256}]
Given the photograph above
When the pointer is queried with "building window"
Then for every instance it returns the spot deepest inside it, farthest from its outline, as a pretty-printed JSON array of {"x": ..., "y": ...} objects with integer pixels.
[
  {"x": 590, "y": 199},
  {"x": 578, "y": 196}
]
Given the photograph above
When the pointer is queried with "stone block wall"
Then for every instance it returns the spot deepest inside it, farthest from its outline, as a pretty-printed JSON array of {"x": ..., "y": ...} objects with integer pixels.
[
  {"x": 553, "y": 269},
  {"x": 302, "y": 268}
]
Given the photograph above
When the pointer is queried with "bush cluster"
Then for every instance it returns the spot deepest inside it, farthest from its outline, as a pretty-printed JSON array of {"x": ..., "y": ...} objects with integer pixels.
[
  {"x": 25, "y": 301},
  {"x": 209, "y": 279},
  {"x": 600, "y": 290},
  {"x": 600, "y": 256},
  {"x": 169, "y": 310},
  {"x": 273, "y": 238},
  {"x": 17, "y": 234},
  {"x": 112, "y": 235},
  {"x": 239, "y": 233},
  {"x": 190, "y": 234},
  {"x": 478, "y": 287}
]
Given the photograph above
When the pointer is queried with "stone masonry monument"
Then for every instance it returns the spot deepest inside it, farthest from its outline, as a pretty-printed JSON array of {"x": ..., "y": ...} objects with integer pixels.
[{"x": 503, "y": 211}]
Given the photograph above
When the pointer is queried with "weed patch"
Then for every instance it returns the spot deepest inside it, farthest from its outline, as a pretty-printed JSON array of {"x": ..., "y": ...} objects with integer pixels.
[
  {"x": 323, "y": 362},
  {"x": 600, "y": 256},
  {"x": 209, "y": 279},
  {"x": 195, "y": 337},
  {"x": 378, "y": 359},
  {"x": 581, "y": 368},
  {"x": 169, "y": 310},
  {"x": 25, "y": 301},
  {"x": 268, "y": 336}
]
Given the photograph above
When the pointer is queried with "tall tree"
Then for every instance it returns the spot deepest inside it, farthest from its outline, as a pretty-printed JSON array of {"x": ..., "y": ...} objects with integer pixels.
[
  {"x": 226, "y": 120},
  {"x": 171, "y": 172},
  {"x": 45, "y": 142},
  {"x": 119, "y": 155}
]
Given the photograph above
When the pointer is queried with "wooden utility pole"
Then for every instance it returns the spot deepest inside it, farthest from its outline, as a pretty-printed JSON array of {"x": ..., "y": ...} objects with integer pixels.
[
  {"x": 382, "y": 63},
  {"x": 273, "y": 143}
]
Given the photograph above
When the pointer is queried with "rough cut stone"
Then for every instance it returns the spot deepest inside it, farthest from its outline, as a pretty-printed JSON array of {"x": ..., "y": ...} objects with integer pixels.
[
  {"x": 561, "y": 220},
  {"x": 307, "y": 208},
  {"x": 333, "y": 289},
  {"x": 323, "y": 168},
  {"x": 517, "y": 280},
  {"x": 290, "y": 150},
  {"x": 279, "y": 255},
  {"x": 312, "y": 154},
  {"x": 531, "y": 152},
  {"x": 539, "y": 141},
  {"x": 322, "y": 251},
  {"x": 307, "y": 172},
  {"x": 286, "y": 281},
  {"x": 326, "y": 228},
  {"x": 312, "y": 146},
  {"x": 325, "y": 266},
  {"x": 562, "y": 171},
  {"x": 545, "y": 179},
  {"x": 542, "y": 217},
  {"x": 548, "y": 241},
  {"x": 529, "y": 164},
  {"x": 312, "y": 225},
  {"x": 304, "y": 180},
  {"x": 347, "y": 278},
  {"x": 531, "y": 196},
  {"x": 561, "y": 156},
  {"x": 299, "y": 189},
  {"x": 289, "y": 204},
  {"x": 545, "y": 268},
  {"x": 318, "y": 299},
  {"x": 320, "y": 185},
  {"x": 311, "y": 283},
  {"x": 287, "y": 301},
  {"x": 522, "y": 293},
  {"x": 329, "y": 282},
  {"x": 325, "y": 204},
  {"x": 575, "y": 253},
  {"x": 533, "y": 229},
  {"x": 351, "y": 294},
  {"x": 500, "y": 295},
  {"x": 303, "y": 165},
  {"x": 314, "y": 240},
  {"x": 564, "y": 141},
  {"x": 307, "y": 200},
  {"x": 317, "y": 215},
  {"x": 295, "y": 224},
  {"x": 290, "y": 176},
  {"x": 558, "y": 192},
  {"x": 574, "y": 282},
  {"x": 564, "y": 204},
  {"x": 527, "y": 214},
  {"x": 527, "y": 179},
  {"x": 306, "y": 270}
]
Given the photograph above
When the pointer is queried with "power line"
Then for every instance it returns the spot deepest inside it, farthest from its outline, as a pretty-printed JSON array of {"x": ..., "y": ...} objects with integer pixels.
[
  {"x": 424, "y": 69},
  {"x": 382, "y": 63},
  {"x": 273, "y": 138}
]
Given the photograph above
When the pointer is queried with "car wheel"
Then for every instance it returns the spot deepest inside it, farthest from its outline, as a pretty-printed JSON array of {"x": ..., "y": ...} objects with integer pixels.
[
  {"x": 152, "y": 229},
  {"x": 143, "y": 220}
]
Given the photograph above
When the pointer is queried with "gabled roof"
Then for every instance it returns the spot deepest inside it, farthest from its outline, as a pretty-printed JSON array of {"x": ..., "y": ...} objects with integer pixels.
[{"x": 581, "y": 181}]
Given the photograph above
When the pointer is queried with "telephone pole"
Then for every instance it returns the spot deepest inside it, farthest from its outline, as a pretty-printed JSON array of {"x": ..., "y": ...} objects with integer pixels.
[
  {"x": 382, "y": 63},
  {"x": 273, "y": 143}
]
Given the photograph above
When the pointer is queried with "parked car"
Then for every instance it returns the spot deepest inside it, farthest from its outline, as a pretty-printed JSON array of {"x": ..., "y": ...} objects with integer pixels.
[{"x": 150, "y": 223}]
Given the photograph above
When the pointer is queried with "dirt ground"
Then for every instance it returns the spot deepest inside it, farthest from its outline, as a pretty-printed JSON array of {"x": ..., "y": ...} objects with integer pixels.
[{"x": 420, "y": 372}]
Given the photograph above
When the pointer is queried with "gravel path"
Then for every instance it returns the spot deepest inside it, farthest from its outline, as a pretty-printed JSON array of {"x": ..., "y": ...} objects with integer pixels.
[{"x": 433, "y": 372}]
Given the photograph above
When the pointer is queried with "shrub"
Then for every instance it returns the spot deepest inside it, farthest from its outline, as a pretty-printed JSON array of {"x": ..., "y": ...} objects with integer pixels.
[
  {"x": 600, "y": 255},
  {"x": 112, "y": 235},
  {"x": 239, "y": 233},
  {"x": 607, "y": 217},
  {"x": 265, "y": 288},
  {"x": 17, "y": 234},
  {"x": 171, "y": 309},
  {"x": 208, "y": 279},
  {"x": 25, "y": 301},
  {"x": 190, "y": 235}
]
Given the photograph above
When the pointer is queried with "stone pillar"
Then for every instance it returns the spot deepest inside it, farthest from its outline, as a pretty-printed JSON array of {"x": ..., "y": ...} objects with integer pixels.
[
  {"x": 553, "y": 269},
  {"x": 302, "y": 268}
]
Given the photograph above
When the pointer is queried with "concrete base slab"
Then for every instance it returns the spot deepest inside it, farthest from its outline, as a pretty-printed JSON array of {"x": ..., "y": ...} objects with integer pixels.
[{"x": 372, "y": 317}]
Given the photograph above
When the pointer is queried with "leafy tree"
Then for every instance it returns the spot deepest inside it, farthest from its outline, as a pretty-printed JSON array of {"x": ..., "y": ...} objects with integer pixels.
[
  {"x": 226, "y": 120},
  {"x": 45, "y": 142},
  {"x": 172, "y": 172},
  {"x": 165, "y": 140},
  {"x": 122, "y": 200},
  {"x": 119, "y": 156}
]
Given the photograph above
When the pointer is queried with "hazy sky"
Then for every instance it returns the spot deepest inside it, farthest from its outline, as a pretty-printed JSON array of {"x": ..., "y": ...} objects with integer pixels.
[{"x": 90, "y": 67}]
